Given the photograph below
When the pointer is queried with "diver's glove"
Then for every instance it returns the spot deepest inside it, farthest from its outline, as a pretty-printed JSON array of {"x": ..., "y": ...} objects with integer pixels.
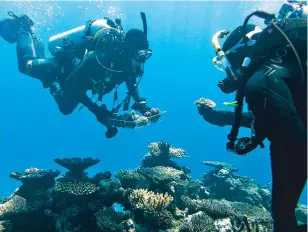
[
  {"x": 246, "y": 144},
  {"x": 141, "y": 107},
  {"x": 102, "y": 116}
]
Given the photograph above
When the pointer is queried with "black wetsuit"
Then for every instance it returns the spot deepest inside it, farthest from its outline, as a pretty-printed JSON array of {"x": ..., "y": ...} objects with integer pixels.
[
  {"x": 75, "y": 80},
  {"x": 278, "y": 102},
  {"x": 276, "y": 94}
]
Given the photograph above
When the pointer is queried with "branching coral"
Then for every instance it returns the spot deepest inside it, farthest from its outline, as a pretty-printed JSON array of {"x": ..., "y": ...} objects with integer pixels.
[
  {"x": 162, "y": 220},
  {"x": 149, "y": 201},
  {"x": 108, "y": 220},
  {"x": 165, "y": 149},
  {"x": 76, "y": 188},
  {"x": 202, "y": 222},
  {"x": 160, "y": 155},
  {"x": 214, "y": 208},
  {"x": 129, "y": 178},
  {"x": 15, "y": 206},
  {"x": 160, "y": 174}
]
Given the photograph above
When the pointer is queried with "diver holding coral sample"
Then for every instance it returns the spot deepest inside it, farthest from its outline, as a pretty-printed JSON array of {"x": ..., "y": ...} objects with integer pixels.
[
  {"x": 98, "y": 56},
  {"x": 269, "y": 68}
]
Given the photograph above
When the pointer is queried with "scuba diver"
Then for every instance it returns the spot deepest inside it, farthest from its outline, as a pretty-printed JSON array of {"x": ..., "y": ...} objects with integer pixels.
[
  {"x": 98, "y": 56},
  {"x": 269, "y": 69}
]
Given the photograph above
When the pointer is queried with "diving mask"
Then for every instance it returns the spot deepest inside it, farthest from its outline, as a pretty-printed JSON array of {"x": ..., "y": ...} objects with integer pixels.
[{"x": 142, "y": 55}]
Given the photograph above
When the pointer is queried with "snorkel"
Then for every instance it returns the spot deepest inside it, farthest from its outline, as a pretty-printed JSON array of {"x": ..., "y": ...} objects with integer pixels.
[{"x": 221, "y": 61}]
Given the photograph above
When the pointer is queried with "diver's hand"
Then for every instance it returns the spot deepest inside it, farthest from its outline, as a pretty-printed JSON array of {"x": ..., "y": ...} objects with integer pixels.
[
  {"x": 141, "y": 107},
  {"x": 245, "y": 145},
  {"x": 205, "y": 105}
]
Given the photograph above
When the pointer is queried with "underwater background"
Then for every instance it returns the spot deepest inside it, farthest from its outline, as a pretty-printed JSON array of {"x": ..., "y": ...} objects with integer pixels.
[{"x": 33, "y": 132}]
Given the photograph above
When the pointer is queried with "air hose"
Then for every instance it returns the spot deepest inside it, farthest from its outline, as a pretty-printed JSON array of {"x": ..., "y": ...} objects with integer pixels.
[{"x": 237, "y": 119}]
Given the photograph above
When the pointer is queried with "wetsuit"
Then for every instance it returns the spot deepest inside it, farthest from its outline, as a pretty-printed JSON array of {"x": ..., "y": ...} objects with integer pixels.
[
  {"x": 276, "y": 94},
  {"x": 74, "y": 75},
  {"x": 224, "y": 118}
]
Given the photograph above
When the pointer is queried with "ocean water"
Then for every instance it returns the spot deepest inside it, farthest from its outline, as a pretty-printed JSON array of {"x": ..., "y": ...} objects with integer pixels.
[{"x": 33, "y": 132}]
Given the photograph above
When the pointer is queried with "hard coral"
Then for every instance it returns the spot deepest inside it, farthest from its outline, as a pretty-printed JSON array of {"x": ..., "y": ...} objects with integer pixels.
[
  {"x": 162, "y": 220},
  {"x": 202, "y": 222},
  {"x": 160, "y": 155},
  {"x": 160, "y": 174},
  {"x": 149, "y": 201},
  {"x": 35, "y": 176},
  {"x": 220, "y": 165},
  {"x": 214, "y": 208},
  {"x": 129, "y": 178},
  {"x": 15, "y": 206},
  {"x": 165, "y": 149},
  {"x": 75, "y": 188},
  {"x": 108, "y": 220},
  {"x": 77, "y": 164}
]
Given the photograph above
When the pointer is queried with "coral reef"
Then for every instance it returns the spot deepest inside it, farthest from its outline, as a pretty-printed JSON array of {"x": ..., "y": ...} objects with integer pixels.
[
  {"x": 157, "y": 196},
  {"x": 222, "y": 182}
]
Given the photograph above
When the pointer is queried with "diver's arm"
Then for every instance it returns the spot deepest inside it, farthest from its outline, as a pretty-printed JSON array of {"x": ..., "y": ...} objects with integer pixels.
[
  {"x": 224, "y": 118},
  {"x": 140, "y": 102}
]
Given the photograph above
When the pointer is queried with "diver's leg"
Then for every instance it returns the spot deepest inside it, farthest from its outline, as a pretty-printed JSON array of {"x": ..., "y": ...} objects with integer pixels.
[
  {"x": 30, "y": 50},
  {"x": 271, "y": 101},
  {"x": 46, "y": 70}
]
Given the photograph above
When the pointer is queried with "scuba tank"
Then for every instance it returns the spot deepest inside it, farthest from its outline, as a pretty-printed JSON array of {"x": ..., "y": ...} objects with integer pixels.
[{"x": 80, "y": 37}]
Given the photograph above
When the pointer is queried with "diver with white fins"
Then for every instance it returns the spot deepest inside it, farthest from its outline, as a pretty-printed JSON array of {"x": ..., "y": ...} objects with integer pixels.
[
  {"x": 98, "y": 56},
  {"x": 269, "y": 69}
]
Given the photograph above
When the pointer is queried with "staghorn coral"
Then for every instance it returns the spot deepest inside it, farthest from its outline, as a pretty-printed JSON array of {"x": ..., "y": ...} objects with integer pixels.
[
  {"x": 75, "y": 188},
  {"x": 77, "y": 165},
  {"x": 15, "y": 206},
  {"x": 129, "y": 178},
  {"x": 149, "y": 201},
  {"x": 161, "y": 175}
]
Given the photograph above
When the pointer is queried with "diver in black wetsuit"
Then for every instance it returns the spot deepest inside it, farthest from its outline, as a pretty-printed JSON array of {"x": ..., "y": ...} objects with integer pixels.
[
  {"x": 273, "y": 79},
  {"x": 98, "y": 57}
]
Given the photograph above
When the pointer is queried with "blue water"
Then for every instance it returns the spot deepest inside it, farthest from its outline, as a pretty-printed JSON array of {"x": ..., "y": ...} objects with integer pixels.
[{"x": 33, "y": 131}]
